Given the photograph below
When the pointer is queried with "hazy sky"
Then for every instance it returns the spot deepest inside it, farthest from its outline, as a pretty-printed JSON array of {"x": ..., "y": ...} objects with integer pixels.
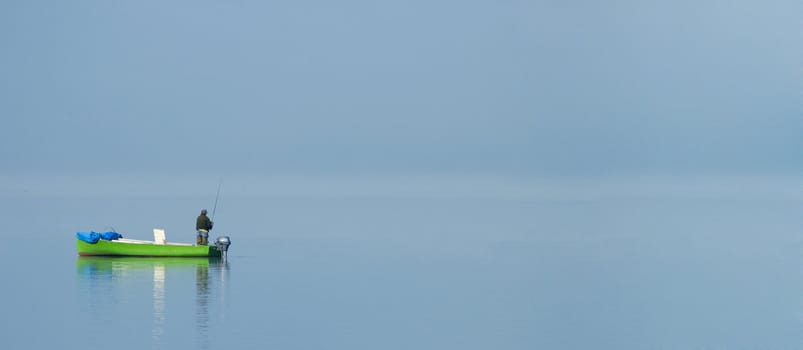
[{"x": 531, "y": 87}]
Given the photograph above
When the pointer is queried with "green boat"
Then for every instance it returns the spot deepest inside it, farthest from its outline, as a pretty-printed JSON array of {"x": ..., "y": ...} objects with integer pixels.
[
  {"x": 130, "y": 247},
  {"x": 156, "y": 248}
]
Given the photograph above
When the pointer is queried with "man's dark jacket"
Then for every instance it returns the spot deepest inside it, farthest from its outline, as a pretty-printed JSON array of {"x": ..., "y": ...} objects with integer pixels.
[{"x": 203, "y": 223}]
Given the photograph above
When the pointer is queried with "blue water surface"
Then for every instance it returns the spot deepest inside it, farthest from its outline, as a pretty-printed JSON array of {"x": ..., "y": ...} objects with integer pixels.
[{"x": 350, "y": 272}]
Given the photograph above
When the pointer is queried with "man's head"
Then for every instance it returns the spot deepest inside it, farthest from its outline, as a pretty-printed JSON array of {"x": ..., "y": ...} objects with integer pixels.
[{"x": 203, "y": 211}]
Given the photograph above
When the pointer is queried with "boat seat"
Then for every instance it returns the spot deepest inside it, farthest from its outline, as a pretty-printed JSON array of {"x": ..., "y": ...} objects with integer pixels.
[{"x": 159, "y": 236}]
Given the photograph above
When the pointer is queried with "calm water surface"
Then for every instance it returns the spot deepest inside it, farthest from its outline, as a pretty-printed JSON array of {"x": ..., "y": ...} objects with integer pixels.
[{"x": 410, "y": 273}]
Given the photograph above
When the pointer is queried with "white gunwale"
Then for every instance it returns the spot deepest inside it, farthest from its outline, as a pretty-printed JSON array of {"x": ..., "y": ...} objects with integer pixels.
[{"x": 137, "y": 241}]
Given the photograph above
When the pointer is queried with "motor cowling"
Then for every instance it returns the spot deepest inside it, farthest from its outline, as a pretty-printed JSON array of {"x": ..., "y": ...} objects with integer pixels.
[{"x": 222, "y": 243}]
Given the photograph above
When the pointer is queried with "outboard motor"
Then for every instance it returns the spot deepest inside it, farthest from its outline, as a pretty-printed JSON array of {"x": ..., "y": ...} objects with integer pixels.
[{"x": 222, "y": 243}]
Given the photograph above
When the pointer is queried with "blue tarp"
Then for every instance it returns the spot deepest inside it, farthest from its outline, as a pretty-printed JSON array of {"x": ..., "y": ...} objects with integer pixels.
[
  {"x": 93, "y": 237},
  {"x": 110, "y": 236},
  {"x": 88, "y": 237}
]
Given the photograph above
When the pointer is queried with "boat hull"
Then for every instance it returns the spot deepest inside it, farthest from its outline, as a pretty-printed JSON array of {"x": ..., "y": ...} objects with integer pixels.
[{"x": 115, "y": 248}]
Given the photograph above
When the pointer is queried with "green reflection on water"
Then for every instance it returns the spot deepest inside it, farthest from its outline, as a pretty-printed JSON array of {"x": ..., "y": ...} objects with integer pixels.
[
  {"x": 105, "y": 276},
  {"x": 92, "y": 265}
]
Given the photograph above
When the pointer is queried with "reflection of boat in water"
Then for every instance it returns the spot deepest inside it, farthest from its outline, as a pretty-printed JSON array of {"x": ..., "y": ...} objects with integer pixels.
[
  {"x": 95, "y": 266},
  {"x": 146, "y": 281},
  {"x": 127, "y": 270}
]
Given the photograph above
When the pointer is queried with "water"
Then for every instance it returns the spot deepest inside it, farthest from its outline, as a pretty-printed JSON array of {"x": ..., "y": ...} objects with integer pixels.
[{"x": 410, "y": 272}]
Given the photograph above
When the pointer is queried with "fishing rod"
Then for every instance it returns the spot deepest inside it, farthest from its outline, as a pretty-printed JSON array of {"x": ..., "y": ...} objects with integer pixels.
[{"x": 216, "y": 198}]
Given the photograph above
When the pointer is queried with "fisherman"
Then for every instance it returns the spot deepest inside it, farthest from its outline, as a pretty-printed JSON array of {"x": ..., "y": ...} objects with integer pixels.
[{"x": 203, "y": 225}]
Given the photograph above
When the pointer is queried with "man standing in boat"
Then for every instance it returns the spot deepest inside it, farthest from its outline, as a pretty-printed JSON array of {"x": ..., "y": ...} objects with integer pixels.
[{"x": 203, "y": 225}]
